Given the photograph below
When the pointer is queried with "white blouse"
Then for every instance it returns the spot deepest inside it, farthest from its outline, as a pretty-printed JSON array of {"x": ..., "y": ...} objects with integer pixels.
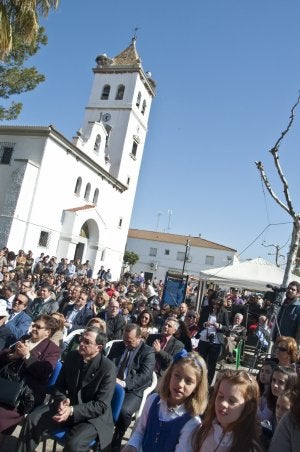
[{"x": 165, "y": 414}]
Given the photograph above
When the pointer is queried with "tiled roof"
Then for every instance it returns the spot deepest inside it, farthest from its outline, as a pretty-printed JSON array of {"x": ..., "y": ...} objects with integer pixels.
[
  {"x": 176, "y": 239},
  {"x": 129, "y": 56}
]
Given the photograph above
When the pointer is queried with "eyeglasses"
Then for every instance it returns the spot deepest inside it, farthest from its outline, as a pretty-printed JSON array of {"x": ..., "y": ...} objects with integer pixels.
[
  {"x": 281, "y": 349},
  {"x": 19, "y": 301},
  {"x": 86, "y": 341},
  {"x": 38, "y": 326}
]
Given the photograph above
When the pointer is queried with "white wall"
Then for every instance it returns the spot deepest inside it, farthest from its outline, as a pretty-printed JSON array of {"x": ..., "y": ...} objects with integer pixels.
[{"x": 165, "y": 263}]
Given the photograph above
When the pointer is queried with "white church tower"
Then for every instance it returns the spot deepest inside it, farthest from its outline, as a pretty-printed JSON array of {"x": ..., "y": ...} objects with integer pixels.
[{"x": 87, "y": 216}]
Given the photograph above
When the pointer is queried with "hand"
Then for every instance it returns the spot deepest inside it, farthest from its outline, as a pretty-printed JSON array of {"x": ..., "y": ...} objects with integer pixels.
[
  {"x": 63, "y": 412},
  {"x": 156, "y": 345},
  {"x": 22, "y": 349},
  {"x": 129, "y": 449},
  {"x": 120, "y": 382}
]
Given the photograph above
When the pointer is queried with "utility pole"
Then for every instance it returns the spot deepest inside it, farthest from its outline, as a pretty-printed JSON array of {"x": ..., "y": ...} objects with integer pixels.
[{"x": 187, "y": 249}]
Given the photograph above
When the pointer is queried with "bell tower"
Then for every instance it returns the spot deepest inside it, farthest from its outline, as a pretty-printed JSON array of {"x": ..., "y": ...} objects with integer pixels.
[{"x": 120, "y": 100}]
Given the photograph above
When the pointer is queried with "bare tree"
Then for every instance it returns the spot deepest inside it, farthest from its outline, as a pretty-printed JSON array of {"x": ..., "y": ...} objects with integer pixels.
[{"x": 287, "y": 204}]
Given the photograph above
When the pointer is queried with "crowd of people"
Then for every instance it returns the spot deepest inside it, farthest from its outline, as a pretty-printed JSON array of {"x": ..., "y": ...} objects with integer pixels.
[{"x": 52, "y": 312}]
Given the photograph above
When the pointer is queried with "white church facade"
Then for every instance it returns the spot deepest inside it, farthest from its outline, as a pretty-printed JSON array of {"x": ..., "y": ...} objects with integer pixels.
[{"x": 74, "y": 198}]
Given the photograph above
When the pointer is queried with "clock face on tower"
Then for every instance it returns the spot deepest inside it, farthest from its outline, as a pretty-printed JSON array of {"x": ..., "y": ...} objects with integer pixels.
[{"x": 106, "y": 117}]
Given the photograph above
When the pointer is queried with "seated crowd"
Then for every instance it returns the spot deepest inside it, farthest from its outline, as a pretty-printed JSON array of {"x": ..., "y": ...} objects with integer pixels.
[{"x": 53, "y": 312}]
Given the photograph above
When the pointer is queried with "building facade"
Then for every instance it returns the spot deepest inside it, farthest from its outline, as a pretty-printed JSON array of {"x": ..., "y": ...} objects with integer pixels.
[
  {"x": 160, "y": 252},
  {"x": 74, "y": 198}
]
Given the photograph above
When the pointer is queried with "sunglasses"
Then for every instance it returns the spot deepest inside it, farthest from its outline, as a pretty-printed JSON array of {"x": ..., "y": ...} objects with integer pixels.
[
  {"x": 19, "y": 301},
  {"x": 282, "y": 349},
  {"x": 191, "y": 316},
  {"x": 37, "y": 326}
]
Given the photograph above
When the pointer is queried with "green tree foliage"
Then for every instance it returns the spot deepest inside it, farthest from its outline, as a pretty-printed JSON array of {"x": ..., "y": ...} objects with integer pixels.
[
  {"x": 130, "y": 258},
  {"x": 20, "y": 37},
  {"x": 19, "y": 21},
  {"x": 17, "y": 79}
]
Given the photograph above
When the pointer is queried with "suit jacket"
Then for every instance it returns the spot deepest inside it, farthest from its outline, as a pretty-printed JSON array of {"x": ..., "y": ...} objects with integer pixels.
[
  {"x": 37, "y": 369},
  {"x": 139, "y": 374},
  {"x": 19, "y": 325},
  {"x": 6, "y": 337},
  {"x": 164, "y": 357},
  {"x": 114, "y": 326},
  {"x": 97, "y": 390},
  {"x": 37, "y": 307},
  {"x": 81, "y": 319}
]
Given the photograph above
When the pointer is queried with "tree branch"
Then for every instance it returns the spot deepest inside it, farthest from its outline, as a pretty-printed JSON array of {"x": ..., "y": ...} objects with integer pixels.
[
  {"x": 274, "y": 151},
  {"x": 265, "y": 179}
]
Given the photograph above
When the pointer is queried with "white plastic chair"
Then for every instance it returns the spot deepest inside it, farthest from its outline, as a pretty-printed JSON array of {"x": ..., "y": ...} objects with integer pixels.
[{"x": 109, "y": 345}]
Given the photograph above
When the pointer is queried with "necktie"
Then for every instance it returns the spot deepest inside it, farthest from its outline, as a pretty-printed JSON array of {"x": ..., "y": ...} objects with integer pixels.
[
  {"x": 11, "y": 316},
  {"x": 123, "y": 366}
]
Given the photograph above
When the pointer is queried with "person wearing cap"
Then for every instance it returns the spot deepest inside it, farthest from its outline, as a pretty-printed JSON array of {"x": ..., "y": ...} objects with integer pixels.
[{"x": 6, "y": 336}]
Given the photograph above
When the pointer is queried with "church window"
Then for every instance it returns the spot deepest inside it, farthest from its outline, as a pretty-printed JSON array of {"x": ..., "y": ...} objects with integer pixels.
[
  {"x": 5, "y": 153},
  {"x": 128, "y": 181},
  {"x": 138, "y": 100},
  {"x": 144, "y": 107},
  {"x": 78, "y": 186},
  {"x": 97, "y": 143},
  {"x": 134, "y": 149},
  {"x": 105, "y": 92},
  {"x": 87, "y": 192},
  {"x": 96, "y": 196},
  {"x": 120, "y": 222},
  {"x": 120, "y": 92},
  {"x": 44, "y": 239}
]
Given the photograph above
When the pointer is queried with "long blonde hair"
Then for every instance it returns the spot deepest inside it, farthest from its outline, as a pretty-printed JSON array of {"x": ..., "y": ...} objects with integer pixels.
[{"x": 196, "y": 403}]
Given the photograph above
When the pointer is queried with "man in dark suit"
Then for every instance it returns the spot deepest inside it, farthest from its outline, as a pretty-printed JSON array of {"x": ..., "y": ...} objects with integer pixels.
[
  {"x": 135, "y": 363},
  {"x": 165, "y": 345},
  {"x": 45, "y": 304},
  {"x": 5, "y": 334},
  {"x": 115, "y": 322},
  {"x": 82, "y": 400},
  {"x": 78, "y": 314},
  {"x": 19, "y": 321}
]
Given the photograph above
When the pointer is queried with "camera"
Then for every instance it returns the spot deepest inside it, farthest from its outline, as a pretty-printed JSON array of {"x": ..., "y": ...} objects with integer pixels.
[{"x": 211, "y": 338}]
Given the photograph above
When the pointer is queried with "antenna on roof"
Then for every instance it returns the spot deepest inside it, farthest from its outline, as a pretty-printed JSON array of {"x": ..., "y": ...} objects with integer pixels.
[
  {"x": 159, "y": 214},
  {"x": 170, "y": 213}
]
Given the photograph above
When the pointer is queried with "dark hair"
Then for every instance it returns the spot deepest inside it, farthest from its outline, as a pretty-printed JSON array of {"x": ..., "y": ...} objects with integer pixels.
[
  {"x": 50, "y": 323},
  {"x": 131, "y": 327},
  {"x": 100, "y": 337},
  {"x": 12, "y": 286},
  {"x": 290, "y": 383},
  {"x": 295, "y": 402},
  {"x": 47, "y": 286},
  {"x": 295, "y": 283},
  {"x": 267, "y": 362},
  {"x": 146, "y": 311}
]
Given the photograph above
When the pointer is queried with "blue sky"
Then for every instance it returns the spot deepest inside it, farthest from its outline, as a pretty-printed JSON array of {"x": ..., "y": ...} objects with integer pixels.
[{"x": 227, "y": 73}]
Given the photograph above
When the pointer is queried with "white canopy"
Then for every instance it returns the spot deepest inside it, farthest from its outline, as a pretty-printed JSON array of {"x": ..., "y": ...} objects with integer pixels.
[{"x": 252, "y": 274}]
